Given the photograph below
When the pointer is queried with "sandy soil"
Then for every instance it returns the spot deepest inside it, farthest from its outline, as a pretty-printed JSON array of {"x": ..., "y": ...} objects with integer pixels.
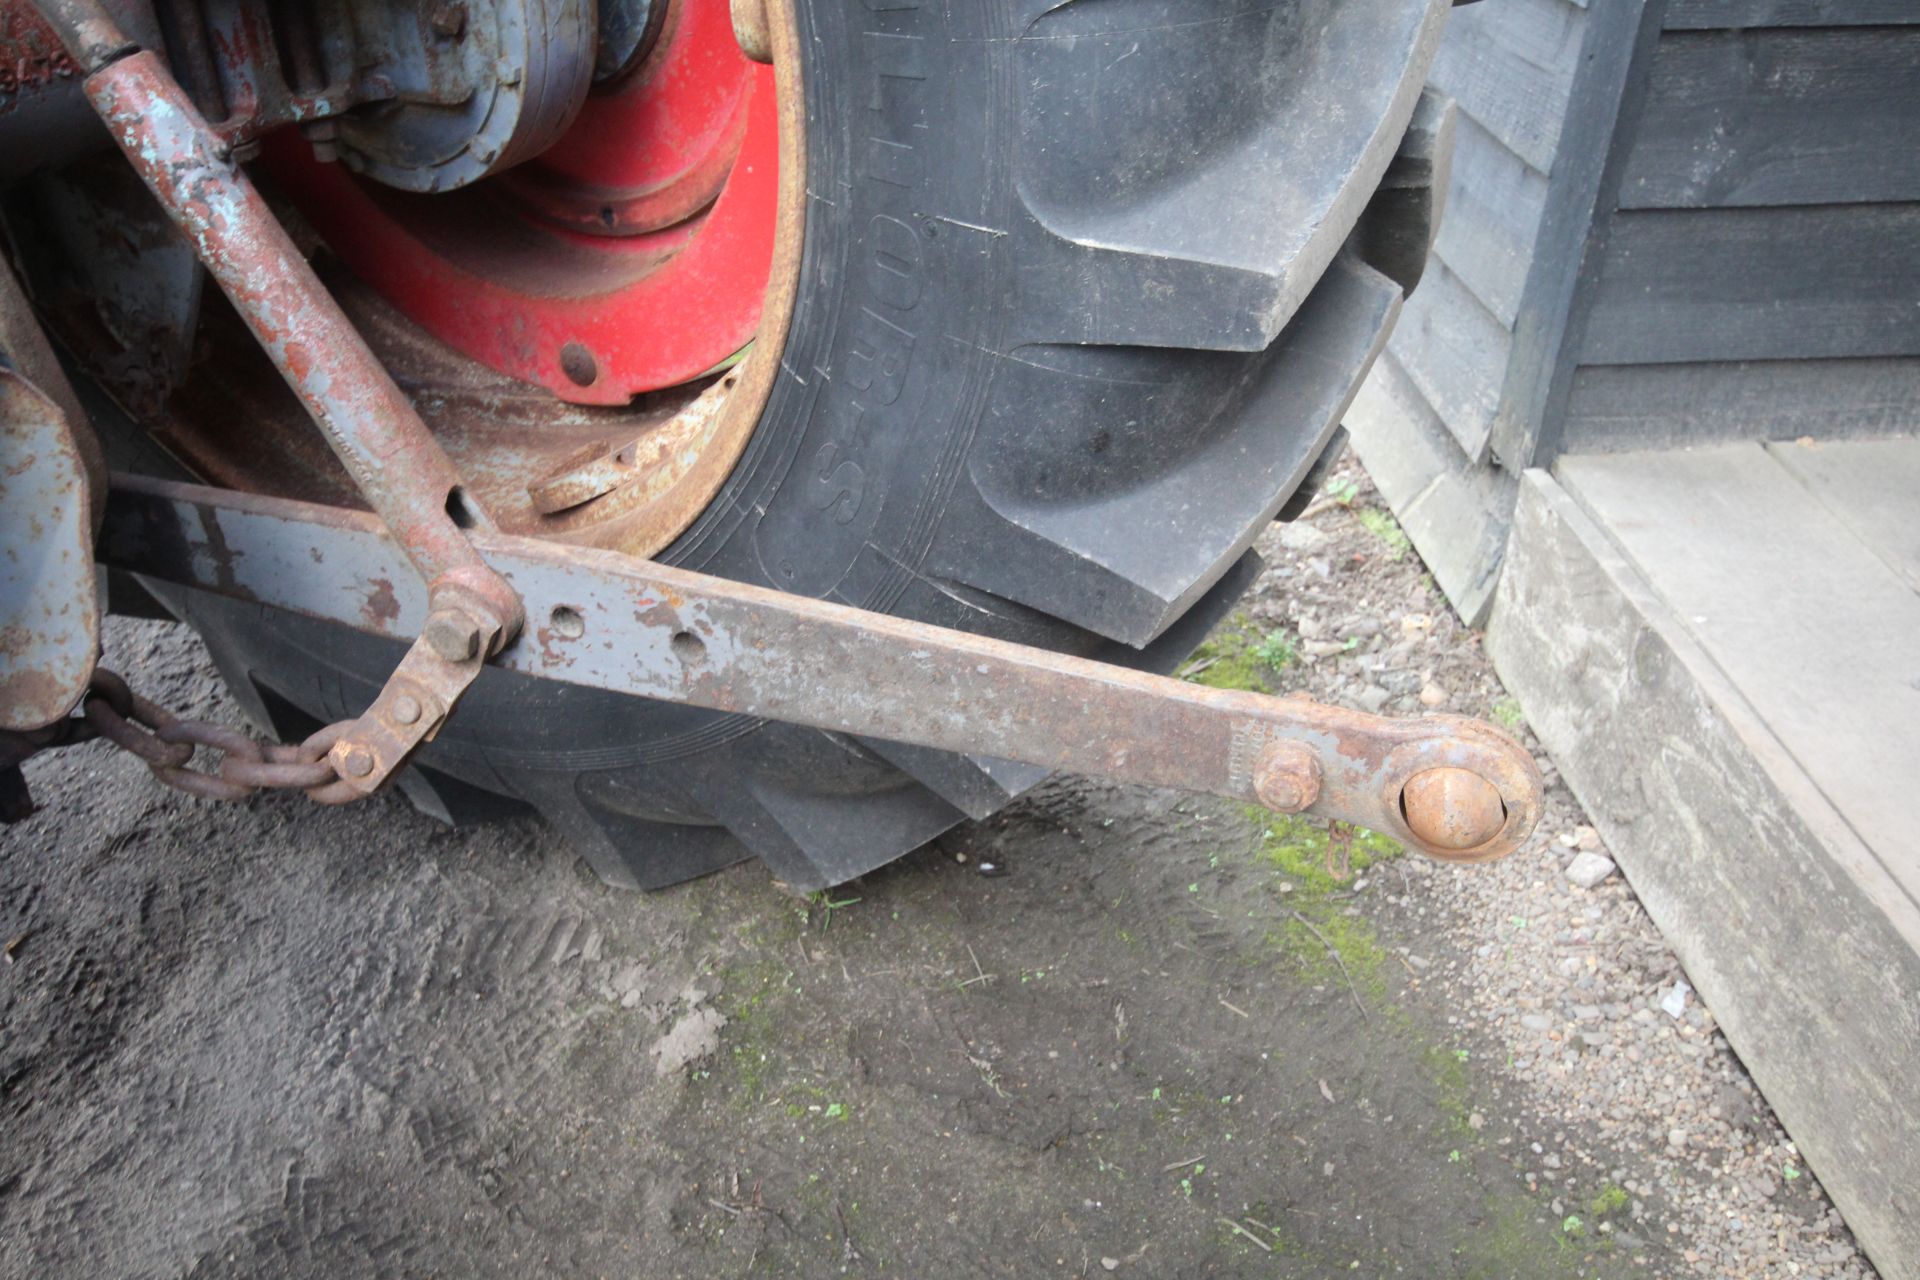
[{"x": 271, "y": 1039}]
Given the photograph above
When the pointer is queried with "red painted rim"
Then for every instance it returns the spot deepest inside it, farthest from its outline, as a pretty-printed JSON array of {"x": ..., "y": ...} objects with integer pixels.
[{"x": 634, "y": 255}]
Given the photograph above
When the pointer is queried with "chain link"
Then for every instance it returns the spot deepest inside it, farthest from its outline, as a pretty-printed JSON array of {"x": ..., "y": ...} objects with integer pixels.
[{"x": 166, "y": 743}]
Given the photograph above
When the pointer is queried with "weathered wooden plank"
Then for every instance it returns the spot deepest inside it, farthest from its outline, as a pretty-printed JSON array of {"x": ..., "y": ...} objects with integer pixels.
[
  {"x": 1777, "y": 117},
  {"x": 1756, "y": 284},
  {"x": 1454, "y": 510},
  {"x": 1816, "y": 632},
  {"x": 1793, "y": 932},
  {"x": 1455, "y": 351},
  {"x": 1617, "y": 408},
  {"x": 1510, "y": 66},
  {"x": 1712, "y": 15},
  {"x": 1494, "y": 205},
  {"x": 1872, "y": 487}
]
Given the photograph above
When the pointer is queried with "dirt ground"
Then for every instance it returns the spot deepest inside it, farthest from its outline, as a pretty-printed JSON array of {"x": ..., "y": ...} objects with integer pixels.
[{"x": 272, "y": 1039}]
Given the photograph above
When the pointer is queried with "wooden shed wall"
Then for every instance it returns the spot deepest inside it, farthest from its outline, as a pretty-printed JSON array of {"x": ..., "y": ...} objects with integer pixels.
[
  {"x": 1758, "y": 272},
  {"x": 1424, "y": 422},
  {"x": 1508, "y": 65}
]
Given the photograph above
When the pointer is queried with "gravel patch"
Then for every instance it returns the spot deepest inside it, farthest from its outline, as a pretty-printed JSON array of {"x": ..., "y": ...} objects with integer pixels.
[{"x": 1616, "y": 1074}]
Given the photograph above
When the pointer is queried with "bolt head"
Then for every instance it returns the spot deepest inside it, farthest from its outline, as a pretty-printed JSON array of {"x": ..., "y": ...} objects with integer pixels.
[
  {"x": 453, "y": 635},
  {"x": 406, "y": 709},
  {"x": 449, "y": 19},
  {"x": 356, "y": 762},
  {"x": 1286, "y": 778}
]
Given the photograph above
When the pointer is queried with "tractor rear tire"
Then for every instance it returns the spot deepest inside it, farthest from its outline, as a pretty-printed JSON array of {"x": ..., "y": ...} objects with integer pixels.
[{"x": 1079, "y": 310}]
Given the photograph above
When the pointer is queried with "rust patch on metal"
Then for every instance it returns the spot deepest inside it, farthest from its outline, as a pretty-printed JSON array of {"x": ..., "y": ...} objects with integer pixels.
[{"x": 382, "y": 606}]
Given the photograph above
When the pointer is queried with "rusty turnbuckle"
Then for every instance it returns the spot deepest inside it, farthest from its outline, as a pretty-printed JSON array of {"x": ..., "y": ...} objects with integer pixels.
[{"x": 1454, "y": 788}]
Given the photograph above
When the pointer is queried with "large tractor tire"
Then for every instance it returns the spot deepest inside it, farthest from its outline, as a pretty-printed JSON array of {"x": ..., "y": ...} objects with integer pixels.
[{"x": 1075, "y": 307}]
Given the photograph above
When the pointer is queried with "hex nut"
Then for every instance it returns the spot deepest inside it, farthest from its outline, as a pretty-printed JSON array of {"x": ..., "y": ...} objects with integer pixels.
[
  {"x": 452, "y": 634},
  {"x": 1286, "y": 778}
]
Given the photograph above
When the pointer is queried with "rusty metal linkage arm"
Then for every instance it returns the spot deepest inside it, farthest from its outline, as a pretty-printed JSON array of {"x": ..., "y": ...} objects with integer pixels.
[
  {"x": 1454, "y": 788},
  {"x": 394, "y": 460}
]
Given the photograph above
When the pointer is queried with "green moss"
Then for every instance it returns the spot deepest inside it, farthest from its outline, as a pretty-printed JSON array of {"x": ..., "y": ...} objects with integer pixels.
[
  {"x": 1238, "y": 655},
  {"x": 1453, "y": 1092},
  {"x": 1612, "y": 1199},
  {"x": 1383, "y": 526},
  {"x": 1507, "y": 712},
  {"x": 755, "y": 999},
  {"x": 1295, "y": 849},
  {"x": 1513, "y": 1242}
]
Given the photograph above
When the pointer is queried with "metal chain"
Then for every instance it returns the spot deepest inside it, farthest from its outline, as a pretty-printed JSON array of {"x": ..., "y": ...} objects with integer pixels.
[{"x": 166, "y": 742}]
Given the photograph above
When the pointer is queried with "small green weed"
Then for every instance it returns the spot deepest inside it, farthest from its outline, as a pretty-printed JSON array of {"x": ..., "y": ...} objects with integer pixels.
[
  {"x": 828, "y": 906},
  {"x": 1612, "y": 1199},
  {"x": 1276, "y": 651},
  {"x": 1383, "y": 526}
]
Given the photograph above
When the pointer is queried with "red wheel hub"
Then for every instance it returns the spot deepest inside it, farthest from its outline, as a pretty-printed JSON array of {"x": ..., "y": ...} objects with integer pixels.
[{"x": 633, "y": 255}]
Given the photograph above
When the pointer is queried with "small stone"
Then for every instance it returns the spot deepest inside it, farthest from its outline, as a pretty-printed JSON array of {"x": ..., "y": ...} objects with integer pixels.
[
  {"x": 1301, "y": 537},
  {"x": 1476, "y": 1121},
  {"x": 1677, "y": 1139},
  {"x": 1589, "y": 869},
  {"x": 1585, "y": 837},
  {"x": 1536, "y": 1022},
  {"x": 1109, "y": 1264},
  {"x": 1432, "y": 695}
]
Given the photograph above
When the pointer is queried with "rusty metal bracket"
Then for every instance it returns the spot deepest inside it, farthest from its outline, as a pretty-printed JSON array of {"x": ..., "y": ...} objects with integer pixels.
[{"x": 1454, "y": 788}]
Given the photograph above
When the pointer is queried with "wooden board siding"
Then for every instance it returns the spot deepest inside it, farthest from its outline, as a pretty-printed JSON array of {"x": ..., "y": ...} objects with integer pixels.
[
  {"x": 1758, "y": 276},
  {"x": 1455, "y": 352},
  {"x": 1779, "y": 117},
  {"x": 1717, "y": 15},
  {"x": 1455, "y": 513},
  {"x": 1757, "y": 284},
  {"x": 1615, "y": 408},
  {"x": 1424, "y": 422},
  {"x": 1493, "y": 213},
  {"x": 1510, "y": 65},
  {"x": 1510, "y": 81}
]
